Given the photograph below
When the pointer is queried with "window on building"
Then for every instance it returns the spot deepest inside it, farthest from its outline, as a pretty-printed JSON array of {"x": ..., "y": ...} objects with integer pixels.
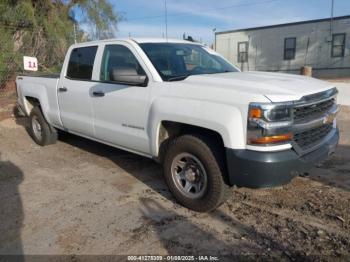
[
  {"x": 290, "y": 44},
  {"x": 81, "y": 63},
  {"x": 338, "y": 45},
  {"x": 242, "y": 52}
]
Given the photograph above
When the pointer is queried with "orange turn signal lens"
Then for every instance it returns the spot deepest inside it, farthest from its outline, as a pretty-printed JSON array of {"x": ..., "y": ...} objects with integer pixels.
[
  {"x": 255, "y": 113},
  {"x": 271, "y": 139}
]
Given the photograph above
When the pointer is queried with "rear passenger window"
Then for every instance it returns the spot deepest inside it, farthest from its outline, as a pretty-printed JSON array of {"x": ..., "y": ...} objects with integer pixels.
[{"x": 81, "y": 63}]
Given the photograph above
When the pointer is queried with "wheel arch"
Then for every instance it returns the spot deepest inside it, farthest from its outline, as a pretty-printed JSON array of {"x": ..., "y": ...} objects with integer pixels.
[
  {"x": 169, "y": 130},
  {"x": 170, "y": 117},
  {"x": 32, "y": 101}
]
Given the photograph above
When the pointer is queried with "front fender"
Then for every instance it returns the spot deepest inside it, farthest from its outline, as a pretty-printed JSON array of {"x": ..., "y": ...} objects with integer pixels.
[{"x": 222, "y": 118}]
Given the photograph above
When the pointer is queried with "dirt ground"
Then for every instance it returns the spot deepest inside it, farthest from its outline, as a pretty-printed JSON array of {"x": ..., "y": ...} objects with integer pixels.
[{"x": 81, "y": 197}]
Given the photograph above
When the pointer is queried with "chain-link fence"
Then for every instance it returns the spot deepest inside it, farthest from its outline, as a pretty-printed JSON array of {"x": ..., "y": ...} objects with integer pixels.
[
  {"x": 18, "y": 42},
  {"x": 7, "y": 59},
  {"x": 9, "y": 53}
]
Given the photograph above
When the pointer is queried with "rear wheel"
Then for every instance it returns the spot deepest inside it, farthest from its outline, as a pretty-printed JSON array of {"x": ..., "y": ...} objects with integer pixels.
[
  {"x": 41, "y": 132},
  {"x": 194, "y": 172}
]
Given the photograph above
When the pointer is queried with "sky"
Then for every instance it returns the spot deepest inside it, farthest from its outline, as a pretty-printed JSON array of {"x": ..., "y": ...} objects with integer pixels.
[{"x": 198, "y": 18}]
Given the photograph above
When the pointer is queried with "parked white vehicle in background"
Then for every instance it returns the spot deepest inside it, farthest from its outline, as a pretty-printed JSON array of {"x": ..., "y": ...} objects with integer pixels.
[{"x": 182, "y": 104}]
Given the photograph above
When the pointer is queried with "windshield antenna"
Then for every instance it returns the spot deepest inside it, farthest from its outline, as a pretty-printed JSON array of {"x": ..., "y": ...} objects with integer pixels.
[{"x": 166, "y": 20}]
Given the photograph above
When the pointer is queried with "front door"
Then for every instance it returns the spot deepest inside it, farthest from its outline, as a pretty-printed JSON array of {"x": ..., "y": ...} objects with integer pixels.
[{"x": 120, "y": 110}]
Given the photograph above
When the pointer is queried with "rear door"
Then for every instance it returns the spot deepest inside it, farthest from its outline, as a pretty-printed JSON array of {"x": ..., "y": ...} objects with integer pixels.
[{"x": 74, "y": 91}]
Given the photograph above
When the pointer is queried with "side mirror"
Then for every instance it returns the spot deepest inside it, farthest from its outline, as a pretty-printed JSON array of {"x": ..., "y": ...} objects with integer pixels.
[{"x": 128, "y": 75}]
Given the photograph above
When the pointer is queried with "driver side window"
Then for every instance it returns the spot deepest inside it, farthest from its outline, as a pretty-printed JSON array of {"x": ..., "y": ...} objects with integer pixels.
[{"x": 117, "y": 58}]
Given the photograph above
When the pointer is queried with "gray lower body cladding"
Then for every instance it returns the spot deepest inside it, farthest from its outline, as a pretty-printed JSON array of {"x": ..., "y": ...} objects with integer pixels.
[{"x": 253, "y": 169}]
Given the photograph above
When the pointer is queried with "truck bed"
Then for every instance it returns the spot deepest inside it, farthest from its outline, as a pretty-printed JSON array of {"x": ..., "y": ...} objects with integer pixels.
[
  {"x": 44, "y": 89},
  {"x": 53, "y": 75}
]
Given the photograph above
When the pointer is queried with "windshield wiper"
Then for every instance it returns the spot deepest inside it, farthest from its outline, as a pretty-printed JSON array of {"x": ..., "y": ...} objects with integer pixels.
[{"x": 178, "y": 78}]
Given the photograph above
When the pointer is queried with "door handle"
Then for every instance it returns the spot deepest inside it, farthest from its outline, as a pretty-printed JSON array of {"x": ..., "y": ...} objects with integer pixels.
[
  {"x": 62, "y": 89},
  {"x": 98, "y": 93}
]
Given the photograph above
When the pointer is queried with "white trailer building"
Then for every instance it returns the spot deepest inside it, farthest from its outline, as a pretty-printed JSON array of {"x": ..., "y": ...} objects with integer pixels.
[{"x": 323, "y": 44}]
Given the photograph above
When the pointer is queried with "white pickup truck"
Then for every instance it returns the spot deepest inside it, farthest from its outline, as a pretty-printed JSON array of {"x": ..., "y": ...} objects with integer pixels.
[{"x": 180, "y": 103}]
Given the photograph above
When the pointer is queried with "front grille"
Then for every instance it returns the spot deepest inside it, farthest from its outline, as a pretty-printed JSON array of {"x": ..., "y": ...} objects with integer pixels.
[
  {"x": 309, "y": 138},
  {"x": 316, "y": 110}
]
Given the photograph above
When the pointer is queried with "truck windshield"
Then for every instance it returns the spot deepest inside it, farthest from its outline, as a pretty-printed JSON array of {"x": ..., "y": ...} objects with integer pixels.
[{"x": 176, "y": 61}]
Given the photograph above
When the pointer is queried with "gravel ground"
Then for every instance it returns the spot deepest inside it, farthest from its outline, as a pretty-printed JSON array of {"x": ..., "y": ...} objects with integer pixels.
[{"x": 81, "y": 197}]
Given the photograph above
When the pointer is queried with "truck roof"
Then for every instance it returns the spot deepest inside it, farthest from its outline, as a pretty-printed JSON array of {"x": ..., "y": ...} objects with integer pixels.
[
  {"x": 139, "y": 40},
  {"x": 161, "y": 40}
]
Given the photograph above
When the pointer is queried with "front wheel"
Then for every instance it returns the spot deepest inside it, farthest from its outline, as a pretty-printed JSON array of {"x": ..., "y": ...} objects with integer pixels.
[{"x": 194, "y": 172}]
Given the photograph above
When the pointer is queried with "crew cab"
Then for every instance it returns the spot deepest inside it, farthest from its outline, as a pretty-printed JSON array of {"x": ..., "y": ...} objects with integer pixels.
[{"x": 185, "y": 106}]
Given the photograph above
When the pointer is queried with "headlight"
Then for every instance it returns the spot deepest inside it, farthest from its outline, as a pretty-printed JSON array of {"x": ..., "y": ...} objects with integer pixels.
[
  {"x": 270, "y": 113},
  {"x": 278, "y": 114},
  {"x": 269, "y": 124}
]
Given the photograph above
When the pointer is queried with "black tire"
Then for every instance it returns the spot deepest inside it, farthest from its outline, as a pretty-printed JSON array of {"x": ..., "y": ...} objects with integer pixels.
[
  {"x": 48, "y": 133},
  {"x": 211, "y": 157}
]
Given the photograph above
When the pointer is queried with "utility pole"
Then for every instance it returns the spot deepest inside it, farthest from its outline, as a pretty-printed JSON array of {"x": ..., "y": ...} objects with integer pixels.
[
  {"x": 75, "y": 33},
  {"x": 166, "y": 20},
  {"x": 74, "y": 21},
  {"x": 331, "y": 22},
  {"x": 214, "y": 31}
]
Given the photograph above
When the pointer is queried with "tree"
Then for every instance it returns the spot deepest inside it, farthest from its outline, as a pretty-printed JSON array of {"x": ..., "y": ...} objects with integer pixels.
[
  {"x": 46, "y": 28},
  {"x": 99, "y": 16}
]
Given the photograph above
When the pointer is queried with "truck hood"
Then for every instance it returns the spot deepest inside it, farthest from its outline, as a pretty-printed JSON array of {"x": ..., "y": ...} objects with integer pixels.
[{"x": 276, "y": 87}]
